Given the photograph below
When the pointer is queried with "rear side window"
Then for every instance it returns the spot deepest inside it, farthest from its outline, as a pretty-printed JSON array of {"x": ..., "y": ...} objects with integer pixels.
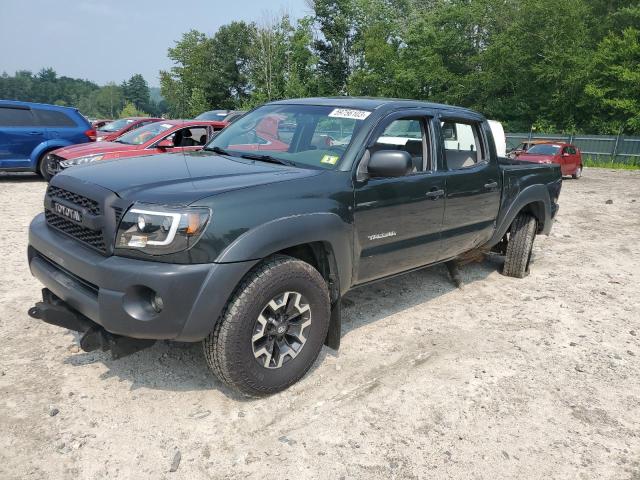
[
  {"x": 16, "y": 117},
  {"x": 52, "y": 118},
  {"x": 463, "y": 145}
]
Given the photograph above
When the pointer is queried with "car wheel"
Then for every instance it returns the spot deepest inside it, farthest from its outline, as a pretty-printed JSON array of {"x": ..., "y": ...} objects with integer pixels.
[
  {"x": 578, "y": 173},
  {"x": 272, "y": 329},
  {"x": 43, "y": 166},
  {"x": 520, "y": 246}
]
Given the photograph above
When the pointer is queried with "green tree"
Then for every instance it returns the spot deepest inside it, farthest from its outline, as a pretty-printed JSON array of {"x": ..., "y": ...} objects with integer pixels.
[
  {"x": 614, "y": 86},
  {"x": 136, "y": 91},
  {"x": 130, "y": 110}
]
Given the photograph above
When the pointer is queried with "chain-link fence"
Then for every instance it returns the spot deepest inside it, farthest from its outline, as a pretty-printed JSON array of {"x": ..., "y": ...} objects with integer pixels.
[{"x": 598, "y": 147}]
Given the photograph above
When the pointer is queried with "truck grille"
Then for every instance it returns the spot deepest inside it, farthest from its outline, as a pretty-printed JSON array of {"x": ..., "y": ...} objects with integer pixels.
[
  {"x": 92, "y": 238},
  {"x": 79, "y": 200},
  {"x": 88, "y": 236}
]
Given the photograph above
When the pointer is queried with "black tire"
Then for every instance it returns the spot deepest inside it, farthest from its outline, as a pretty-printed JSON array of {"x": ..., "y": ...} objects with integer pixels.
[
  {"x": 578, "y": 173},
  {"x": 520, "y": 246},
  {"x": 42, "y": 167},
  {"x": 229, "y": 349}
]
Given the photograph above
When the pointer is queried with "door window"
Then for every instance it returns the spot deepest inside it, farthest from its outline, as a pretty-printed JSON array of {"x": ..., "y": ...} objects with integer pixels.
[
  {"x": 51, "y": 118},
  {"x": 406, "y": 134},
  {"x": 463, "y": 146},
  {"x": 190, "y": 137},
  {"x": 16, "y": 117}
]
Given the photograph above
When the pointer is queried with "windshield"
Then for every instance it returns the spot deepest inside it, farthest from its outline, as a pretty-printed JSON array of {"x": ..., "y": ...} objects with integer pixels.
[
  {"x": 144, "y": 134},
  {"x": 219, "y": 115},
  {"x": 117, "y": 125},
  {"x": 311, "y": 135},
  {"x": 544, "y": 149}
]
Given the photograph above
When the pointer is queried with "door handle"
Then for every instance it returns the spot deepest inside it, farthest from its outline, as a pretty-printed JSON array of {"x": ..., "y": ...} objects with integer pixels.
[
  {"x": 34, "y": 133},
  {"x": 434, "y": 194},
  {"x": 491, "y": 185}
]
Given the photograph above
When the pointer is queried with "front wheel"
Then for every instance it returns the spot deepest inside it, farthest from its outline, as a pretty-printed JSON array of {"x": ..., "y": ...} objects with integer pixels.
[
  {"x": 520, "y": 246},
  {"x": 272, "y": 329},
  {"x": 578, "y": 173},
  {"x": 43, "y": 166}
]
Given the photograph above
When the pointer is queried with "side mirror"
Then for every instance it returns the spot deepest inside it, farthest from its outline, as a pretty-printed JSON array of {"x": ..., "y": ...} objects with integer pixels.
[
  {"x": 164, "y": 144},
  {"x": 389, "y": 163}
]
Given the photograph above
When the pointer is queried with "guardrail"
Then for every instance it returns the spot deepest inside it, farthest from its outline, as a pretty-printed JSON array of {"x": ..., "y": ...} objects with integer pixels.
[{"x": 614, "y": 148}]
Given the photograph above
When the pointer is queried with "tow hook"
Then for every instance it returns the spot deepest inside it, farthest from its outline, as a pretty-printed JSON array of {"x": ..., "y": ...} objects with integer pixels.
[{"x": 55, "y": 311}]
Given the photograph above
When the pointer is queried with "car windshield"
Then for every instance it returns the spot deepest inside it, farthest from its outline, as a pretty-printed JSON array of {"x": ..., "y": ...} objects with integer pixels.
[
  {"x": 144, "y": 134},
  {"x": 117, "y": 125},
  {"x": 306, "y": 135},
  {"x": 213, "y": 115},
  {"x": 544, "y": 149}
]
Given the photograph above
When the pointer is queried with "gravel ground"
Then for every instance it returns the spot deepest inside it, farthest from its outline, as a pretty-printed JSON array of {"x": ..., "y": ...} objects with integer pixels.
[{"x": 504, "y": 378}]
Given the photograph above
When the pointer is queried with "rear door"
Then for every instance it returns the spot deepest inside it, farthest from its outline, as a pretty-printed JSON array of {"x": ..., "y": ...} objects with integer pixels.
[
  {"x": 398, "y": 220},
  {"x": 472, "y": 187},
  {"x": 59, "y": 125},
  {"x": 20, "y": 134}
]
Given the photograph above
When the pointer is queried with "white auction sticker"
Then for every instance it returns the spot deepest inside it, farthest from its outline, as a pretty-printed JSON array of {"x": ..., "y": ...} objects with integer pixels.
[{"x": 349, "y": 113}]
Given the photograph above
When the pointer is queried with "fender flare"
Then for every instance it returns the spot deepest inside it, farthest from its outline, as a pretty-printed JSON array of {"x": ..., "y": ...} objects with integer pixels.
[
  {"x": 286, "y": 232},
  {"x": 533, "y": 195},
  {"x": 46, "y": 147}
]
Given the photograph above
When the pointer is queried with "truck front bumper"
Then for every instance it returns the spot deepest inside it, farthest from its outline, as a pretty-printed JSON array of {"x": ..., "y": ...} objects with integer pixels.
[{"x": 128, "y": 297}]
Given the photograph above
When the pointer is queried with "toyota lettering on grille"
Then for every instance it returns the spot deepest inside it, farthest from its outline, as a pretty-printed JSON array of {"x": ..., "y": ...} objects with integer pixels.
[{"x": 67, "y": 212}]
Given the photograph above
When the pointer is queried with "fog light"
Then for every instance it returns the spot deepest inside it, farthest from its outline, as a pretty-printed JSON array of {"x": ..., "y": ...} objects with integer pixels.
[{"x": 157, "y": 303}]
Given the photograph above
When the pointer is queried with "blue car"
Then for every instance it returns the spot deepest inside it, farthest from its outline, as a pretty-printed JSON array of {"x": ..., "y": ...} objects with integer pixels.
[{"x": 28, "y": 131}]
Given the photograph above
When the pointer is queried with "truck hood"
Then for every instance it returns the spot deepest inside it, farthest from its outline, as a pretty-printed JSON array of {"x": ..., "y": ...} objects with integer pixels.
[
  {"x": 93, "y": 148},
  {"x": 179, "y": 178}
]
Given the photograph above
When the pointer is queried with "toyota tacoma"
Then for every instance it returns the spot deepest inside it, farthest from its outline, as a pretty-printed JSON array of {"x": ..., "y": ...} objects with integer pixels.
[{"x": 248, "y": 245}]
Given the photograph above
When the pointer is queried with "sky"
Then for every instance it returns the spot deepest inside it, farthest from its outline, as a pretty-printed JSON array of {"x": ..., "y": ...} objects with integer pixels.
[{"x": 110, "y": 40}]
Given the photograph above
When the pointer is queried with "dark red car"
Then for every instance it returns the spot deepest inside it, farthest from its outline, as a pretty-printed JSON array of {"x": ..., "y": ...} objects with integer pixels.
[
  {"x": 157, "y": 137},
  {"x": 99, "y": 123},
  {"x": 113, "y": 130},
  {"x": 564, "y": 154}
]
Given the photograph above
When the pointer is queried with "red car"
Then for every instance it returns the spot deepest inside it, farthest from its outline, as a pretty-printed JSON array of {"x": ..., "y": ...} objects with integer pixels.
[
  {"x": 99, "y": 123},
  {"x": 113, "y": 130},
  {"x": 566, "y": 155},
  {"x": 157, "y": 137}
]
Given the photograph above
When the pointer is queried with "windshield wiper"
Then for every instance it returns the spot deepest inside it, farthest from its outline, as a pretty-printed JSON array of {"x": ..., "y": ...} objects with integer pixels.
[
  {"x": 267, "y": 158},
  {"x": 218, "y": 150}
]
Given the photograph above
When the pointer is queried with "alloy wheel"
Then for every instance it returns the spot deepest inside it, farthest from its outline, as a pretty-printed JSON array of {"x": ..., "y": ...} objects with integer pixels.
[{"x": 279, "y": 331}]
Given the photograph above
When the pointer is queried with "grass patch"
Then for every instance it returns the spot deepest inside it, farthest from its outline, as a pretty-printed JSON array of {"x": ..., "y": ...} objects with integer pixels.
[{"x": 608, "y": 162}]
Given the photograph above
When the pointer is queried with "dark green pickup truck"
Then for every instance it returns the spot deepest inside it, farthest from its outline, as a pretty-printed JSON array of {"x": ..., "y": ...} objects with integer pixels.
[{"x": 250, "y": 244}]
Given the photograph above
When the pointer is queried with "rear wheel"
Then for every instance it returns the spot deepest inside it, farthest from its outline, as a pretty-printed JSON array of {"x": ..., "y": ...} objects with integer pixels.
[
  {"x": 272, "y": 329},
  {"x": 43, "y": 166},
  {"x": 520, "y": 246},
  {"x": 578, "y": 173}
]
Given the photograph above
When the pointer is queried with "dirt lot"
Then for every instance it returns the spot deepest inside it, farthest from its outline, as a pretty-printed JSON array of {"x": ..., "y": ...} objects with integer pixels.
[{"x": 505, "y": 378}]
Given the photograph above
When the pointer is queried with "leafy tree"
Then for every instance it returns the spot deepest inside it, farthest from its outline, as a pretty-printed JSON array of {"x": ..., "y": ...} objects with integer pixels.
[
  {"x": 130, "y": 110},
  {"x": 613, "y": 89},
  {"x": 136, "y": 91}
]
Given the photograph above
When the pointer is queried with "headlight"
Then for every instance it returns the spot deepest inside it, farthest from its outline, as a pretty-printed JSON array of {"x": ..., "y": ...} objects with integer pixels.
[
  {"x": 160, "y": 230},
  {"x": 80, "y": 161}
]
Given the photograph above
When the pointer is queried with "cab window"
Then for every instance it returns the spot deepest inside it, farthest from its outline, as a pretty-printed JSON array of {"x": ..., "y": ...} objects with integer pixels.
[
  {"x": 409, "y": 135},
  {"x": 463, "y": 144}
]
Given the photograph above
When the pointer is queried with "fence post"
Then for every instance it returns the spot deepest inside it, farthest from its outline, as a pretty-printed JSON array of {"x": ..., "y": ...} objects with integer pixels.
[{"x": 615, "y": 148}]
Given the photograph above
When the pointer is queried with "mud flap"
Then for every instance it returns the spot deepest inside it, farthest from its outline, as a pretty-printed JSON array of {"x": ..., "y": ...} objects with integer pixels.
[{"x": 335, "y": 326}]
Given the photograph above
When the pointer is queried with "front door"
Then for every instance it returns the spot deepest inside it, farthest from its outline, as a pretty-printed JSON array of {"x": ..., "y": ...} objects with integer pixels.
[
  {"x": 398, "y": 220},
  {"x": 473, "y": 187}
]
